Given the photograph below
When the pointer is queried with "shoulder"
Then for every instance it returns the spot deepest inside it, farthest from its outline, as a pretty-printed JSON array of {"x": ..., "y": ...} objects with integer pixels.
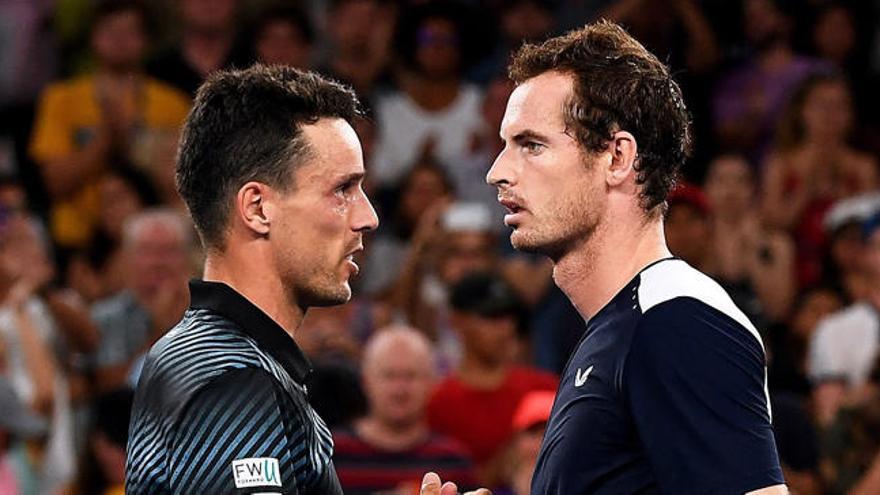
[{"x": 674, "y": 292}]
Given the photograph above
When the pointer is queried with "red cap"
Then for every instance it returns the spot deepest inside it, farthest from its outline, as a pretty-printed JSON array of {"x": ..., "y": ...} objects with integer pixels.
[
  {"x": 689, "y": 194},
  {"x": 533, "y": 408}
]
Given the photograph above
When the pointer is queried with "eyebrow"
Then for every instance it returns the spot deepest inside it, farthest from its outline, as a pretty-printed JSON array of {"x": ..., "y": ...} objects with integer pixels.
[
  {"x": 352, "y": 177},
  {"x": 528, "y": 135}
]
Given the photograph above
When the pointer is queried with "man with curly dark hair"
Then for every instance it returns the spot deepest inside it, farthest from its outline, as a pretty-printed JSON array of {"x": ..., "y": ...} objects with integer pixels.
[{"x": 666, "y": 391}]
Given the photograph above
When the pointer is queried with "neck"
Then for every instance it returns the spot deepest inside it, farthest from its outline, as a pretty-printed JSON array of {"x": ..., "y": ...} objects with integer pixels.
[
  {"x": 391, "y": 436},
  {"x": 121, "y": 74},
  {"x": 591, "y": 274},
  {"x": 257, "y": 282}
]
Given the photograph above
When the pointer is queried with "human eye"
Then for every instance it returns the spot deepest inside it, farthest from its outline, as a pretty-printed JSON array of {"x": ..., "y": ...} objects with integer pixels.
[{"x": 532, "y": 147}]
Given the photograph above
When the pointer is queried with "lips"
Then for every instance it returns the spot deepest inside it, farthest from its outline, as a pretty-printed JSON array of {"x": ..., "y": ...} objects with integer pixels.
[{"x": 512, "y": 205}]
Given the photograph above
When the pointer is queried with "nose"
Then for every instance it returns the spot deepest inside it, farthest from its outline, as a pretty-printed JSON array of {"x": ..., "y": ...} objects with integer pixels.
[
  {"x": 365, "y": 217},
  {"x": 500, "y": 174}
]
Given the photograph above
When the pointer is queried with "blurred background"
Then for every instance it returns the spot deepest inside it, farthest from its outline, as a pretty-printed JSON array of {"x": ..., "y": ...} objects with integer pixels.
[{"x": 448, "y": 356}]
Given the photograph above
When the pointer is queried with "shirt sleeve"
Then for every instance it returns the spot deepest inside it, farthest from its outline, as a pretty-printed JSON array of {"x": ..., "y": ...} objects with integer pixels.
[
  {"x": 694, "y": 379},
  {"x": 242, "y": 434},
  {"x": 51, "y": 135}
]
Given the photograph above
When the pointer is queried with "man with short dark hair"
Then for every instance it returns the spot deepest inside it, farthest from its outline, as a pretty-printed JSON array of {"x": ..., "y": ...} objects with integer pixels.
[
  {"x": 271, "y": 170},
  {"x": 666, "y": 391}
]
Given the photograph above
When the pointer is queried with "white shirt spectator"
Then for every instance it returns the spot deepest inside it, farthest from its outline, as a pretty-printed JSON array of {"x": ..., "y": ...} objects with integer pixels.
[
  {"x": 845, "y": 344},
  {"x": 405, "y": 128}
]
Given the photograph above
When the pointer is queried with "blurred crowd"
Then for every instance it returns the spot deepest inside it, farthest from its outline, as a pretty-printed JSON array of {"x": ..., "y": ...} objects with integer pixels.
[{"x": 447, "y": 358}]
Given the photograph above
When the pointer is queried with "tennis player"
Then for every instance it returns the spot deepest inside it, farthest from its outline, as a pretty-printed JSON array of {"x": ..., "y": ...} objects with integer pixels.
[
  {"x": 271, "y": 170},
  {"x": 666, "y": 391}
]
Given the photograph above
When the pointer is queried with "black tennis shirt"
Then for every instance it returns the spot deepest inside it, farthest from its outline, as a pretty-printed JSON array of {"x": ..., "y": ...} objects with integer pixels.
[{"x": 221, "y": 407}]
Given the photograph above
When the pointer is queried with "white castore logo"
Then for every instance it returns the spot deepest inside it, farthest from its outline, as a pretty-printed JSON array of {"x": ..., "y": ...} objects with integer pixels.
[
  {"x": 581, "y": 378},
  {"x": 256, "y": 471}
]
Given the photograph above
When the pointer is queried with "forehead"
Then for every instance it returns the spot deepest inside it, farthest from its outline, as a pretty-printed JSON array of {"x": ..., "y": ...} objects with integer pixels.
[
  {"x": 335, "y": 149},
  {"x": 538, "y": 104}
]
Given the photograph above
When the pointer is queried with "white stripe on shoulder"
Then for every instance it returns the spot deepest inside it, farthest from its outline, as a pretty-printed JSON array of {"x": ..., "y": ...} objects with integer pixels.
[{"x": 675, "y": 278}]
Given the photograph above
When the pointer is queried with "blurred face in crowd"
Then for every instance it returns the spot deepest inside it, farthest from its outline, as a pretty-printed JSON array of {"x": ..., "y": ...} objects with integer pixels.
[
  {"x": 847, "y": 248},
  {"x": 688, "y": 232},
  {"x": 764, "y": 23},
  {"x": 317, "y": 226},
  {"x": 423, "y": 188},
  {"x": 730, "y": 186},
  {"x": 834, "y": 34},
  {"x": 526, "y": 20},
  {"x": 872, "y": 257},
  {"x": 817, "y": 304},
  {"x": 437, "y": 52},
  {"x": 465, "y": 253},
  {"x": 156, "y": 253},
  {"x": 555, "y": 193},
  {"x": 827, "y": 113},
  {"x": 22, "y": 250},
  {"x": 280, "y": 42},
  {"x": 490, "y": 340},
  {"x": 398, "y": 374},
  {"x": 208, "y": 15},
  {"x": 119, "y": 201},
  {"x": 119, "y": 40},
  {"x": 352, "y": 24}
]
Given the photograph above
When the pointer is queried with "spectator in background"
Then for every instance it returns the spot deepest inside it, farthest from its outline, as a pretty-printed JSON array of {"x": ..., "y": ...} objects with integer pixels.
[
  {"x": 787, "y": 343},
  {"x": 812, "y": 166},
  {"x": 851, "y": 444},
  {"x": 529, "y": 424},
  {"x": 676, "y": 31},
  {"x": 360, "y": 33},
  {"x": 208, "y": 41},
  {"x": 284, "y": 36},
  {"x": 18, "y": 424},
  {"x": 104, "y": 472},
  {"x": 476, "y": 403},
  {"x": 748, "y": 101},
  {"x": 843, "y": 264},
  {"x": 35, "y": 357},
  {"x": 89, "y": 124},
  {"x": 519, "y": 21},
  {"x": 155, "y": 245},
  {"x": 450, "y": 243},
  {"x": 749, "y": 261},
  {"x": 390, "y": 448},
  {"x": 434, "y": 114},
  {"x": 411, "y": 222},
  {"x": 844, "y": 347}
]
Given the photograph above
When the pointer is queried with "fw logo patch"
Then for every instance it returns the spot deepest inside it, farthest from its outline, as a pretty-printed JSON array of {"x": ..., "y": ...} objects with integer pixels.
[{"x": 256, "y": 471}]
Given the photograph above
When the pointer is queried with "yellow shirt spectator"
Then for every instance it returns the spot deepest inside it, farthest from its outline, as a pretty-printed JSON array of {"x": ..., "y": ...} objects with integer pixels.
[{"x": 71, "y": 115}]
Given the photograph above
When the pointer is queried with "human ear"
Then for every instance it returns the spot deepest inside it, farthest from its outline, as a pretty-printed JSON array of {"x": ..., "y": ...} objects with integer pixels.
[
  {"x": 250, "y": 207},
  {"x": 624, "y": 152}
]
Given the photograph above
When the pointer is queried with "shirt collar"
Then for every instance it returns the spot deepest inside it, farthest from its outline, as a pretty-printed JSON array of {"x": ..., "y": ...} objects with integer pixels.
[{"x": 226, "y": 301}]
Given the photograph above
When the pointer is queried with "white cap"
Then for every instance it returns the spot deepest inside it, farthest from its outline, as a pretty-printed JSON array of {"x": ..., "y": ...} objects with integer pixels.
[
  {"x": 856, "y": 209},
  {"x": 467, "y": 217}
]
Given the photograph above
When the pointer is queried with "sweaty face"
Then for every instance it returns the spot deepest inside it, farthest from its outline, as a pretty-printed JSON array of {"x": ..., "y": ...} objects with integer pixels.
[
  {"x": 321, "y": 220},
  {"x": 554, "y": 194}
]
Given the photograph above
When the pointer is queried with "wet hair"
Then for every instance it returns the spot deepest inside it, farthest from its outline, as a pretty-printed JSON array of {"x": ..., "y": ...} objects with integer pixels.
[
  {"x": 618, "y": 85},
  {"x": 246, "y": 125}
]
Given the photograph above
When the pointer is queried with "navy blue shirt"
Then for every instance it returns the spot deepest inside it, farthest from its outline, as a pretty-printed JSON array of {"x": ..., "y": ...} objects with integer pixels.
[{"x": 666, "y": 393}]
